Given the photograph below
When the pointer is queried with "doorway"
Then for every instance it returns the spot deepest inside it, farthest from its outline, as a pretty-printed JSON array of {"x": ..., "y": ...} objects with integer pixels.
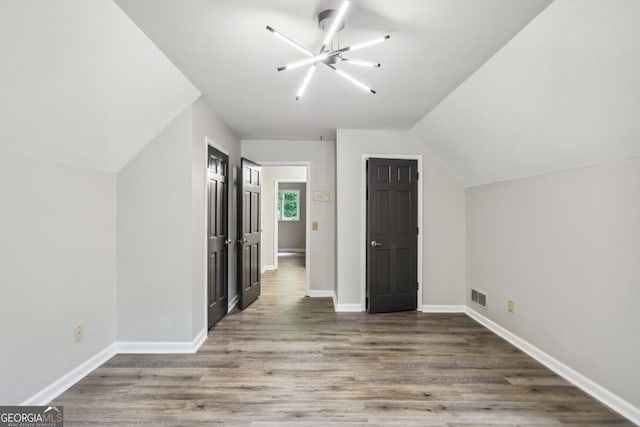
[{"x": 286, "y": 215}]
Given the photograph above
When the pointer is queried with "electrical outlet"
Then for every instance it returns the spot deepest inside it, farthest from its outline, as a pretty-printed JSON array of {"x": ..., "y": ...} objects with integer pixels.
[
  {"x": 78, "y": 333},
  {"x": 314, "y": 226},
  {"x": 511, "y": 306}
]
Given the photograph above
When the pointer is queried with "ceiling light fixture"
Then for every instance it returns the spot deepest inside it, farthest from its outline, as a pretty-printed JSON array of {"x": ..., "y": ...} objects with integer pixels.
[
  {"x": 355, "y": 81},
  {"x": 326, "y": 55},
  {"x": 334, "y": 21},
  {"x": 306, "y": 81},
  {"x": 288, "y": 40},
  {"x": 361, "y": 63},
  {"x": 337, "y": 20}
]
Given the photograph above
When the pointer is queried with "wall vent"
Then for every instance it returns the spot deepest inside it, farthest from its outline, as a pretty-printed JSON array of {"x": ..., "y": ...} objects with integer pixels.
[{"x": 479, "y": 298}]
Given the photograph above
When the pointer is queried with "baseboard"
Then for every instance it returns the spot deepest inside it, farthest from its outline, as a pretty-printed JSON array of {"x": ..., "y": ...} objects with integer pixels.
[
  {"x": 268, "y": 268},
  {"x": 180, "y": 347},
  {"x": 345, "y": 308},
  {"x": 58, "y": 387},
  {"x": 600, "y": 393},
  {"x": 69, "y": 379},
  {"x": 321, "y": 294},
  {"x": 444, "y": 309},
  {"x": 200, "y": 339},
  {"x": 232, "y": 304},
  {"x": 349, "y": 308}
]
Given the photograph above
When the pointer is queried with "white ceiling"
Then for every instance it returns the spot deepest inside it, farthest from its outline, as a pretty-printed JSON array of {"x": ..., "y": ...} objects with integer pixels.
[
  {"x": 222, "y": 46},
  {"x": 564, "y": 93},
  {"x": 81, "y": 84}
]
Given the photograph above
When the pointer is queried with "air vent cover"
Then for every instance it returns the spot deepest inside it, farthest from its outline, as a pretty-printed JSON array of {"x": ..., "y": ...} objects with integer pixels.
[{"x": 479, "y": 298}]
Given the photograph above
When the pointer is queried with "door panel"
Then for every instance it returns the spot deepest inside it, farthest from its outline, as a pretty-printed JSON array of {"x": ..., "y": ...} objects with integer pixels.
[
  {"x": 249, "y": 229},
  {"x": 392, "y": 244},
  {"x": 217, "y": 236},
  {"x": 382, "y": 268}
]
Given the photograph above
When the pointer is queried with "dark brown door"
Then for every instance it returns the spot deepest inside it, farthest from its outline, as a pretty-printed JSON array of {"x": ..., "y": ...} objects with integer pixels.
[
  {"x": 249, "y": 201},
  {"x": 217, "y": 233},
  {"x": 392, "y": 235}
]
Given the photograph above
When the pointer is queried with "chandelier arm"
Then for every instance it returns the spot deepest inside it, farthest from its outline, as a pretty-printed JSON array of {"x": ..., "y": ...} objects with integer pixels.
[
  {"x": 351, "y": 79},
  {"x": 325, "y": 55},
  {"x": 290, "y": 41},
  {"x": 306, "y": 81},
  {"x": 361, "y": 63}
]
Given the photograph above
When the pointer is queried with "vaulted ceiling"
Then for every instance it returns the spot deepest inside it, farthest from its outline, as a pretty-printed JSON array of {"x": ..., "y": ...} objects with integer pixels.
[
  {"x": 500, "y": 89},
  {"x": 81, "y": 84},
  {"x": 564, "y": 93},
  {"x": 222, "y": 46}
]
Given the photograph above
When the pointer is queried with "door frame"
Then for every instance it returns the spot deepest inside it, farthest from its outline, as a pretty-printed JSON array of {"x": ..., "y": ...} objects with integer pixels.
[
  {"x": 231, "y": 303},
  {"x": 363, "y": 222},
  {"x": 307, "y": 255}
]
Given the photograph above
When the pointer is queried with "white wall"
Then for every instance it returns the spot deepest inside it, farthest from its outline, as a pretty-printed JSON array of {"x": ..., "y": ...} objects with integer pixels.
[
  {"x": 443, "y": 234},
  {"x": 292, "y": 234},
  {"x": 270, "y": 174},
  {"x": 566, "y": 248},
  {"x": 207, "y": 124},
  {"x": 57, "y": 271},
  {"x": 161, "y": 230},
  {"x": 154, "y": 301},
  {"x": 321, "y": 154}
]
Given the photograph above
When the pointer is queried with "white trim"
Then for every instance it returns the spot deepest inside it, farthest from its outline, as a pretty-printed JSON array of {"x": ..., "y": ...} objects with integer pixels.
[
  {"x": 444, "y": 309},
  {"x": 268, "y": 268},
  {"x": 61, "y": 385},
  {"x": 363, "y": 222},
  {"x": 180, "y": 347},
  {"x": 346, "y": 308},
  {"x": 321, "y": 294},
  {"x": 232, "y": 303},
  {"x": 600, "y": 393},
  {"x": 200, "y": 339},
  {"x": 308, "y": 265},
  {"x": 349, "y": 308}
]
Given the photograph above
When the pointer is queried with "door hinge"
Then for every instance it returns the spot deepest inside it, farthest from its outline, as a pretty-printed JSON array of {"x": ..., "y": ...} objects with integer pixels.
[{"x": 417, "y": 286}]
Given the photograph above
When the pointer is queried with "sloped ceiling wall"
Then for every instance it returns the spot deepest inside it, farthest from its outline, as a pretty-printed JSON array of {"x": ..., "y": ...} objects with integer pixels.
[
  {"x": 564, "y": 93},
  {"x": 224, "y": 48},
  {"x": 81, "y": 84}
]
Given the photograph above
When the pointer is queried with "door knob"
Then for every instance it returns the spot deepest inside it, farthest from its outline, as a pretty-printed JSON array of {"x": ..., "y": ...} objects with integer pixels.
[
  {"x": 375, "y": 244},
  {"x": 243, "y": 241},
  {"x": 227, "y": 242}
]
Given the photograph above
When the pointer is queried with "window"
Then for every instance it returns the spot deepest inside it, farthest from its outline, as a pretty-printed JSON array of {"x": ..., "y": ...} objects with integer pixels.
[{"x": 288, "y": 205}]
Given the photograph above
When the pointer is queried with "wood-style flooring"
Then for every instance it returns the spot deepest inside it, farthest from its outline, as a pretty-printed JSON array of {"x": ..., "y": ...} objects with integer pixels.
[{"x": 289, "y": 360}]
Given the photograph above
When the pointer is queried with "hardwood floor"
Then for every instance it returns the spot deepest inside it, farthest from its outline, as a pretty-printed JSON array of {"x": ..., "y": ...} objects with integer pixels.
[{"x": 289, "y": 360}]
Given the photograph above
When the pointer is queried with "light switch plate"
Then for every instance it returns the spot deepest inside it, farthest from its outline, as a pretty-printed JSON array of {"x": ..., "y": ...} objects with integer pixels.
[{"x": 320, "y": 196}]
